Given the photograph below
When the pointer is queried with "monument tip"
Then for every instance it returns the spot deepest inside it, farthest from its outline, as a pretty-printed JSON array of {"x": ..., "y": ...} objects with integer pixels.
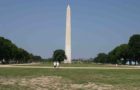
[{"x": 68, "y": 2}]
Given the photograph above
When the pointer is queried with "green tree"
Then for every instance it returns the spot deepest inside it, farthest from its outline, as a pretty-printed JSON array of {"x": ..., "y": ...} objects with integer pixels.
[
  {"x": 7, "y": 49},
  {"x": 112, "y": 58},
  {"x": 59, "y": 55},
  {"x": 122, "y": 53},
  {"x": 10, "y": 51},
  {"x": 101, "y": 58},
  {"x": 37, "y": 58},
  {"x": 119, "y": 53},
  {"x": 134, "y": 45}
]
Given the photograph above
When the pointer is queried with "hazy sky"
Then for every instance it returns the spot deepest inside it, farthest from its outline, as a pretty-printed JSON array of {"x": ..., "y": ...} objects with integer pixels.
[{"x": 38, "y": 26}]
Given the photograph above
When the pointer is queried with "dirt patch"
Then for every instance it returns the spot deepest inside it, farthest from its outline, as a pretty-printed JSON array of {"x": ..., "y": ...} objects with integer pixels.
[
  {"x": 5, "y": 81},
  {"x": 52, "y": 83},
  {"x": 44, "y": 83},
  {"x": 91, "y": 86}
]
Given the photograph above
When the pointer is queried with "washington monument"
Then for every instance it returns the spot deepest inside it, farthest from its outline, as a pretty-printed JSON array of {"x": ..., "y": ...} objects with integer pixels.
[{"x": 68, "y": 34}]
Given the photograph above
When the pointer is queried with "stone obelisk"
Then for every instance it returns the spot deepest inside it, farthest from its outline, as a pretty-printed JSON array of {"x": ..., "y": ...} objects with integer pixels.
[{"x": 68, "y": 34}]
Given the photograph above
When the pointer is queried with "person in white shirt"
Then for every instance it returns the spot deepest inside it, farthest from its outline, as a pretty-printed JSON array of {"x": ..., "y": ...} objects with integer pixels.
[{"x": 55, "y": 64}]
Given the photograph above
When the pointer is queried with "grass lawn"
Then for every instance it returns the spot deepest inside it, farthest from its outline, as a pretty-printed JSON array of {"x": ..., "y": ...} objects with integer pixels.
[{"x": 120, "y": 79}]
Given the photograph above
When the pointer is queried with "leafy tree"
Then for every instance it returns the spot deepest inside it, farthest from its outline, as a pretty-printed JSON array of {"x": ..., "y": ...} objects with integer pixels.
[
  {"x": 101, "y": 58},
  {"x": 120, "y": 54},
  {"x": 59, "y": 55},
  {"x": 112, "y": 57},
  {"x": 10, "y": 51},
  {"x": 6, "y": 49},
  {"x": 36, "y": 58},
  {"x": 134, "y": 45},
  {"x": 123, "y": 53}
]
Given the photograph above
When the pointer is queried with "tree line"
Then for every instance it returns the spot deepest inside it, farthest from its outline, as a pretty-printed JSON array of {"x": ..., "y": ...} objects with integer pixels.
[
  {"x": 123, "y": 53},
  {"x": 9, "y": 52}
]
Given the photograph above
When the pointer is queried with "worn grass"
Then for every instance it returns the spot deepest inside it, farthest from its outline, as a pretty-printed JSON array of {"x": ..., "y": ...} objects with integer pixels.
[
  {"x": 13, "y": 87},
  {"x": 120, "y": 79}
]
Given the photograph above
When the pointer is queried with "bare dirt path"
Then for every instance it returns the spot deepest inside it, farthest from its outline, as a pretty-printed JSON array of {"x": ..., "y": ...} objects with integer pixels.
[{"x": 25, "y": 66}]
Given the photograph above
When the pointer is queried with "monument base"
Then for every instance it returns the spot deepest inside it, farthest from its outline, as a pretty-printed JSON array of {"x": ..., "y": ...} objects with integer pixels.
[{"x": 66, "y": 61}]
